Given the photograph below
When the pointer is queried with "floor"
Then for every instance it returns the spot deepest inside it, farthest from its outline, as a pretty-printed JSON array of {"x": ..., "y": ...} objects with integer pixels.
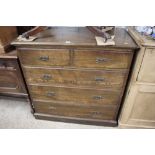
[{"x": 16, "y": 115}]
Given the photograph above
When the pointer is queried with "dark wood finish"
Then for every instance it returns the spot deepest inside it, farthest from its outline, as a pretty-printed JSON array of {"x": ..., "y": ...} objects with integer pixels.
[
  {"x": 70, "y": 78},
  {"x": 98, "y": 79},
  {"x": 7, "y": 34},
  {"x": 11, "y": 80}
]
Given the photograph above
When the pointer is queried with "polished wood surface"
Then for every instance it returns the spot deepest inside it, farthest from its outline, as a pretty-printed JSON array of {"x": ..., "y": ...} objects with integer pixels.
[{"x": 65, "y": 69}]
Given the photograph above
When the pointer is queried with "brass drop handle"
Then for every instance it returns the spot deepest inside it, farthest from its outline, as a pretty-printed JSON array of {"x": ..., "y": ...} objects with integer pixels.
[
  {"x": 100, "y": 60},
  {"x": 50, "y": 94},
  {"x": 98, "y": 97},
  {"x": 47, "y": 77},
  {"x": 99, "y": 79},
  {"x": 44, "y": 58}
]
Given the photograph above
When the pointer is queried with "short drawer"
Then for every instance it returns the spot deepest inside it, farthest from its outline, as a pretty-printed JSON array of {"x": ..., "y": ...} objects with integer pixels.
[
  {"x": 106, "y": 113},
  {"x": 102, "y": 59},
  {"x": 72, "y": 77},
  {"x": 147, "y": 70},
  {"x": 36, "y": 57},
  {"x": 75, "y": 95}
]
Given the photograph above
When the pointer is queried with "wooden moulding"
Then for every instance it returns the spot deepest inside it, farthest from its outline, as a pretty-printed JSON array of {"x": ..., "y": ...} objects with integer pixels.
[{"x": 111, "y": 123}]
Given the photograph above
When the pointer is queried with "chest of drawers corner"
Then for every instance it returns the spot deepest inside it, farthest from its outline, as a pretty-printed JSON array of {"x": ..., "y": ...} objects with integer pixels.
[{"x": 75, "y": 83}]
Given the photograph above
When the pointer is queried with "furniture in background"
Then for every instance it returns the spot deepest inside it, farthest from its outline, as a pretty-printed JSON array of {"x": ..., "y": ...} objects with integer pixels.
[
  {"x": 11, "y": 80},
  {"x": 7, "y": 34},
  {"x": 139, "y": 104},
  {"x": 70, "y": 78}
]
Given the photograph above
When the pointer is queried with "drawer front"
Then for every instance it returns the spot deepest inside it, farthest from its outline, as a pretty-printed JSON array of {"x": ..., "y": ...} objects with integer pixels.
[
  {"x": 71, "y": 77},
  {"x": 7, "y": 64},
  {"x": 102, "y": 59},
  {"x": 107, "y": 113},
  {"x": 147, "y": 70},
  {"x": 74, "y": 95},
  {"x": 8, "y": 79},
  {"x": 55, "y": 57}
]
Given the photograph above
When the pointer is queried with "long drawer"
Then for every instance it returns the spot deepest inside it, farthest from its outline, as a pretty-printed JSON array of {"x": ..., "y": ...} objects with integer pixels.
[
  {"x": 106, "y": 113},
  {"x": 74, "y": 77},
  {"x": 75, "y": 95},
  {"x": 38, "y": 57},
  {"x": 102, "y": 59}
]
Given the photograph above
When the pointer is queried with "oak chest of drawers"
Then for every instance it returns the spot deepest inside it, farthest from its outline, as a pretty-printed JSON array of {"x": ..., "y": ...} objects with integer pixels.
[{"x": 70, "y": 78}]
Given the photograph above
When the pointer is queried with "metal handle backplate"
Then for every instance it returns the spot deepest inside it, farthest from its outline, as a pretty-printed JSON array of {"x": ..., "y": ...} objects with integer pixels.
[
  {"x": 97, "y": 97},
  {"x": 50, "y": 94},
  {"x": 44, "y": 58},
  {"x": 99, "y": 79},
  {"x": 47, "y": 77},
  {"x": 100, "y": 60}
]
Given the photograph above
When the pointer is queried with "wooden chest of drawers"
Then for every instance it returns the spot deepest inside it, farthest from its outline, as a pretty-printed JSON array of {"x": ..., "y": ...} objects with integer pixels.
[
  {"x": 76, "y": 81},
  {"x": 11, "y": 80}
]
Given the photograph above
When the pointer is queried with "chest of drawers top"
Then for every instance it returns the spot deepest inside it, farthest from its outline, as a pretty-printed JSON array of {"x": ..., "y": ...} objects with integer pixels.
[{"x": 76, "y": 36}]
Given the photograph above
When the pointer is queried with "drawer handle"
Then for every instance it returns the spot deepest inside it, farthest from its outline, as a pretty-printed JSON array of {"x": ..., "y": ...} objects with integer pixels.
[
  {"x": 100, "y": 60},
  {"x": 99, "y": 79},
  {"x": 47, "y": 77},
  {"x": 52, "y": 108},
  {"x": 44, "y": 58},
  {"x": 50, "y": 94},
  {"x": 98, "y": 97}
]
